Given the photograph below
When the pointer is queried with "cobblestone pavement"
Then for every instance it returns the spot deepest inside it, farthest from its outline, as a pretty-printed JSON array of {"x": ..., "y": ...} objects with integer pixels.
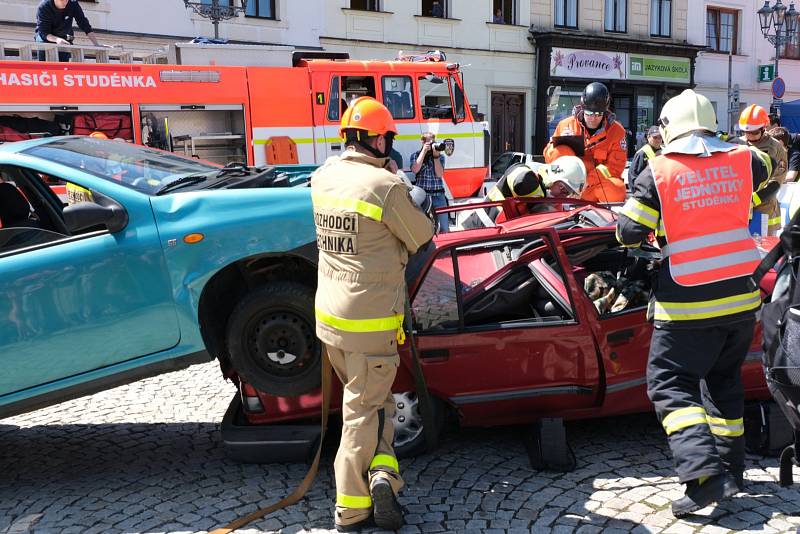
[{"x": 147, "y": 458}]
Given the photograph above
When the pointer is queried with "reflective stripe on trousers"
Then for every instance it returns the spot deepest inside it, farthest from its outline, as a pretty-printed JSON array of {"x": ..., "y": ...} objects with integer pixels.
[
  {"x": 684, "y": 417},
  {"x": 686, "y": 311},
  {"x": 378, "y": 324},
  {"x": 726, "y": 427}
]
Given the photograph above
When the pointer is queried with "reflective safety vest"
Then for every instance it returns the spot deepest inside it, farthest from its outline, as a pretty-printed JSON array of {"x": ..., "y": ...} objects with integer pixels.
[
  {"x": 648, "y": 151},
  {"x": 705, "y": 207}
]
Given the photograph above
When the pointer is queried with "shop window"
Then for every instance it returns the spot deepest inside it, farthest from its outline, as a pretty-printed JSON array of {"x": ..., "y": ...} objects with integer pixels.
[
  {"x": 263, "y": 9},
  {"x": 504, "y": 12},
  {"x": 365, "y": 5},
  {"x": 616, "y": 19},
  {"x": 661, "y": 18},
  {"x": 435, "y": 8},
  {"x": 566, "y": 13},
  {"x": 722, "y": 27},
  {"x": 398, "y": 96}
]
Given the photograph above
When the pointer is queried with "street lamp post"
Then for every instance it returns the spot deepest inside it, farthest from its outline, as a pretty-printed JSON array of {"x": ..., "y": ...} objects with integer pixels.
[
  {"x": 778, "y": 25},
  {"x": 211, "y": 9}
]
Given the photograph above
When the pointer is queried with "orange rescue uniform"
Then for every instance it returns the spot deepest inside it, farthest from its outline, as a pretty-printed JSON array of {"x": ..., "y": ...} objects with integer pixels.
[{"x": 605, "y": 156}]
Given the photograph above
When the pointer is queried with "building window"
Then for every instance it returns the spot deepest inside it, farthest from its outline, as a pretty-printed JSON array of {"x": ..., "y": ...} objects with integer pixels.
[
  {"x": 792, "y": 48},
  {"x": 660, "y": 18},
  {"x": 722, "y": 26},
  {"x": 616, "y": 15},
  {"x": 264, "y": 9},
  {"x": 504, "y": 12},
  {"x": 566, "y": 13},
  {"x": 365, "y": 5},
  {"x": 435, "y": 8}
]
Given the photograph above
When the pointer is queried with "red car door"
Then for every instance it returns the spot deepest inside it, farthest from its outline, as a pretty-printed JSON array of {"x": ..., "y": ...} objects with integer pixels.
[
  {"x": 620, "y": 324},
  {"x": 497, "y": 331}
]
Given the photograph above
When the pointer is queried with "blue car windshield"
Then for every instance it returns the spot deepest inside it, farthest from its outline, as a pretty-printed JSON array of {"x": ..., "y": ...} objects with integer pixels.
[{"x": 133, "y": 166}]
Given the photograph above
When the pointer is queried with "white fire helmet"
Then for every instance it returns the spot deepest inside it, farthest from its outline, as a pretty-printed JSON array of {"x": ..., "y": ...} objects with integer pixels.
[{"x": 569, "y": 170}]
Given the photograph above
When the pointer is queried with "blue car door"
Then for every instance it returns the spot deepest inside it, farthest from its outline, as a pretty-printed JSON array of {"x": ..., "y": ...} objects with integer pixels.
[{"x": 72, "y": 304}]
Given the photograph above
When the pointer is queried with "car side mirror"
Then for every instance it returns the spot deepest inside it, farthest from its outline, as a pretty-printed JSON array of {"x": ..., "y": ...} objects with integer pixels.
[{"x": 83, "y": 215}]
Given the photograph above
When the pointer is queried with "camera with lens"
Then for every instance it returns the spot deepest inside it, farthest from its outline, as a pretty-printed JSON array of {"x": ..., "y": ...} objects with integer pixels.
[{"x": 438, "y": 147}]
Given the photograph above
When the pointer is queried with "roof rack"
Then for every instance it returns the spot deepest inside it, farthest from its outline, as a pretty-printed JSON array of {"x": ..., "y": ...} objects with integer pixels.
[
  {"x": 302, "y": 55},
  {"x": 431, "y": 55},
  {"x": 27, "y": 51}
]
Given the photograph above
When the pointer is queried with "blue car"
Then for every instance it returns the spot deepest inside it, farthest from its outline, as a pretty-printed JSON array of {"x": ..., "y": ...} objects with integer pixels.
[{"x": 155, "y": 262}]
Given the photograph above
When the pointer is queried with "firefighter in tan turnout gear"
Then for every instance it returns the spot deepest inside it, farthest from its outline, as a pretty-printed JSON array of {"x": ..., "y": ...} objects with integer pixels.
[{"x": 367, "y": 225}]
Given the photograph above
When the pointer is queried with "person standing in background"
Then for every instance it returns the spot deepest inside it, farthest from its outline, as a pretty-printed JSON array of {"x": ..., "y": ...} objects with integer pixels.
[{"x": 54, "y": 25}]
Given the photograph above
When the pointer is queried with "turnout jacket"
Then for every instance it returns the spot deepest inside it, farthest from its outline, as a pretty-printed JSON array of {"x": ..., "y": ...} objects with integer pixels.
[
  {"x": 58, "y": 22},
  {"x": 604, "y": 157},
  {"x": 366, "y": 226},
  {"x": 695, "y": 305},
  {"x": 777, "y": 152},
  {"x": 640, "y": 161}
]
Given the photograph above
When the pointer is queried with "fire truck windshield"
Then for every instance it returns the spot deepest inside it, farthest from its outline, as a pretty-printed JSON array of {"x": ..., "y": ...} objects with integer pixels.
[{"x": 144, "y": 169}]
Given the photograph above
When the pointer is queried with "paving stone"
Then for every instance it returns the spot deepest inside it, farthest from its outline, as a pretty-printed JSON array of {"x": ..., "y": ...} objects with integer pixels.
[{"x": 147, "y": 457}]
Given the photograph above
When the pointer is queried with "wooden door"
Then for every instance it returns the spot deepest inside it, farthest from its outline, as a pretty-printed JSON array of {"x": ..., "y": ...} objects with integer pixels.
[{"x": 508, "y": 123}]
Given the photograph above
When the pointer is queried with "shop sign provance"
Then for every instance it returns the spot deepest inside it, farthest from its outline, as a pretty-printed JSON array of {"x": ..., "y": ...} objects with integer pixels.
[{"x": 572, "y": 63}]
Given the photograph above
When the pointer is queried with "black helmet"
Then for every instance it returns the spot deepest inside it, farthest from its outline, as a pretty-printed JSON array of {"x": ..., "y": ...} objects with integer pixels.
[{"x": 595, "y": 97}]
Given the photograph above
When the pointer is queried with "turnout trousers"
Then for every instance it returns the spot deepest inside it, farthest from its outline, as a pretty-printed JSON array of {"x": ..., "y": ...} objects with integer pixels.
[
  {"x": 365, "y": 451},
  {"x": 694, "y": 380}
]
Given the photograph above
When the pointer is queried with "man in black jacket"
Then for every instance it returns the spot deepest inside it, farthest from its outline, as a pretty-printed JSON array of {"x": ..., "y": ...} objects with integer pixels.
[{"x": 54, "y": 24}]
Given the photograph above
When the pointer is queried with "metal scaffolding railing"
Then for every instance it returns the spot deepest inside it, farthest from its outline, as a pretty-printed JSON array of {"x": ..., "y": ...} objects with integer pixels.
[{"x": 28, "y": 51}]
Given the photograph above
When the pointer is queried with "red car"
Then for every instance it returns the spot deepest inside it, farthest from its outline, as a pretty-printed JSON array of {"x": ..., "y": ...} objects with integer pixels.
[{"x": 505, "y": 332}]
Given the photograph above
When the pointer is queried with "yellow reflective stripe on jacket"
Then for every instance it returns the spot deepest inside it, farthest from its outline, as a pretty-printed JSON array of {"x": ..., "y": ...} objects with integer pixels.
[
  {"x": 602, "y": 169},
  {"x": 764, "y": 157},
  {"x": 774, "y": 220},
  {"x": 380, "y": 324},
  {"x": 641, "y": 213},
  {"x": 688, "y": 311},
  {"x": 361, "y": 207},
  {"x": 353, "y": 501},
  {"x": 684, "y": 417},
  {"x": 726, "y": 427},
  {"x": 660, "y": 231},
  {"x": 648, "y": 152},
  {"x": 756, "y": 199},
  {"x": 495, "y": 194},
  {"x": 385, "y": 460}
]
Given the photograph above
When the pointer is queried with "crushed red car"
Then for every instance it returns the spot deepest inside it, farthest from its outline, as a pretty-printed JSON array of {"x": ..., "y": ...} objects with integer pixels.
[{"x": 506, "y": 333}]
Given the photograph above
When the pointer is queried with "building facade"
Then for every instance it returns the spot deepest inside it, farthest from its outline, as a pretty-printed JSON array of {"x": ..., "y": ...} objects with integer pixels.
[
  {"x": 150, "y": 24},
  {"x": 488, "y": 38},
  {"x": 731, "y": 31},
  {"x": 638, "y": 48}
]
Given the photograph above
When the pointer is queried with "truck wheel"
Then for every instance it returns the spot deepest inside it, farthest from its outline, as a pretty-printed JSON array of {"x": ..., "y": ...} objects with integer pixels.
[
  {"x": 272, "y": 342},
  {"x": 409, "y": 438}
]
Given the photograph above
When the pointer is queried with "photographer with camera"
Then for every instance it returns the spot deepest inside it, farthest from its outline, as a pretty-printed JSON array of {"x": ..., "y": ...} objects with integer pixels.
[
  {"x": 427, "y": 164},
  {"x": 54, "y": 25}
]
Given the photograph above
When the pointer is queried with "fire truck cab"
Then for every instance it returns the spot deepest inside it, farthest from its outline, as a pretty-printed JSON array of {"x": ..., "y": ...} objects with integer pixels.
[{"x": 259, "y": 114}]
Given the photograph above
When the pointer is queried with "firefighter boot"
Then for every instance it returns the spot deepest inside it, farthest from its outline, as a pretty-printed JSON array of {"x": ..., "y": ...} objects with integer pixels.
[
  {"x": 356, "y": 527},
  {"x": 386, "y": 511},
  {"x": 701, "y": 492}
]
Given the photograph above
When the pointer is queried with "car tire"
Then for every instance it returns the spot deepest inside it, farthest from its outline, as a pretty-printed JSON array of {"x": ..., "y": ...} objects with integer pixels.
[
  {"x": 272, "y": 341},
  {"x": 409, "y": 437}
]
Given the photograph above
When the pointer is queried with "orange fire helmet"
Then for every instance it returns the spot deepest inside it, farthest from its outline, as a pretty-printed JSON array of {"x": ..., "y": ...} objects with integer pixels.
[
  {"x": 98, "y": 135},
  {"x": 369, "y": 115},
  {"x": 753, "y": 118}
]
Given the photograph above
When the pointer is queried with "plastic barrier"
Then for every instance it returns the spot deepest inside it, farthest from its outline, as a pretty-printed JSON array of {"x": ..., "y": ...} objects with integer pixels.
[{"x": 789, "y": 200}]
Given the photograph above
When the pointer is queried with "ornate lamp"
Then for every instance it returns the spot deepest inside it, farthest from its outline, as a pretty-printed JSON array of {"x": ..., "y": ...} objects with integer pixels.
[
  {"x": 217, "y": 10},
  {"x": 764, "y": 16}
]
